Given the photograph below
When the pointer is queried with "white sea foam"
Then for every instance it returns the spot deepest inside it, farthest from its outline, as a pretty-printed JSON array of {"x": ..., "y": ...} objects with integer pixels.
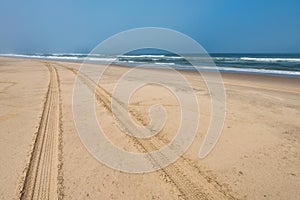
[
  {"x": 39, "y": 56},
  {"x": 100, "y": 59},
  {"x": 251, "y": 70},
  {"x": 226, "y": 58},
  {"x": 74, "y": 57},
  {"x": 271, "y": 59},
  {"x": 160, "y": 63},
  {"x": 141, "y": 56}
]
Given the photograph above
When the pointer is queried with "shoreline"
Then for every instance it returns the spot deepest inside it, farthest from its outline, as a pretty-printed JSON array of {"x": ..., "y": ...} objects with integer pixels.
[{"x": 222, "y": 70}]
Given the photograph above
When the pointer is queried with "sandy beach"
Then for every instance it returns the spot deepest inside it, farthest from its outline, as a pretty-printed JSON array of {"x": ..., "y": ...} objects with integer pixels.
[{"x": 42, "y": 156}]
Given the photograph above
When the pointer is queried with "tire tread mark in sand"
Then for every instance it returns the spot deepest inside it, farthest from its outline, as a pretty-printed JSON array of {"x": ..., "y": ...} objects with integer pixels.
[
  {"x": 173, "y": 173},
  {"x": 42, "y": 173},
  {"x": 60, "y": 175}
]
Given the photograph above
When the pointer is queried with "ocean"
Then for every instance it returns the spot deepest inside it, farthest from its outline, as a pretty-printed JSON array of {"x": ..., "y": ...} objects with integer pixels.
[{"x": 270, "y": 64}]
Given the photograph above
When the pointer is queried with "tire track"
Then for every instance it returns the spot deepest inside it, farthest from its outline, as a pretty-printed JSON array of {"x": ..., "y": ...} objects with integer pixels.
[
  {"x": 43, "y": 176},
  {"x": 186, "y": 176}
]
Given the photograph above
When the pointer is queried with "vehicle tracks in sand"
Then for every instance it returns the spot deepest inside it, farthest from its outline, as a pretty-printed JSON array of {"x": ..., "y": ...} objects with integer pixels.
[
  {"x": 188, "y": 178},
  {"x": 43, "y": 176}
]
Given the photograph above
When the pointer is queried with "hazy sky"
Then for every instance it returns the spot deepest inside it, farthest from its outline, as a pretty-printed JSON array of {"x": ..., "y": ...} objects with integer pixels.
[{"x": 257, "y": 26}]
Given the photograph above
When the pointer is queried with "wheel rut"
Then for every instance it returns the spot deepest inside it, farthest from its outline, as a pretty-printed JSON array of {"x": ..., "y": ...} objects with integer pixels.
[
  {"x": 43, "y": 178},
  {"x": 185, "y": 175}
]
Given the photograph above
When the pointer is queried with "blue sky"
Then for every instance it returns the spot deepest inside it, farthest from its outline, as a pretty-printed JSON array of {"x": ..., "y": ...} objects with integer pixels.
[{"x": 240, "y": 26}]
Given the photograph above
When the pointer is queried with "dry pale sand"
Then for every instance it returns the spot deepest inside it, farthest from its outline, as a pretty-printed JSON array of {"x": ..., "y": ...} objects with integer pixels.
[{"x": 42, "y": 157}]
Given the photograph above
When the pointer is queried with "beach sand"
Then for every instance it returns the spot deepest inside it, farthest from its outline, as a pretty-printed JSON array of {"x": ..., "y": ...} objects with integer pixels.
[{"x": 257, "y": 155}]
